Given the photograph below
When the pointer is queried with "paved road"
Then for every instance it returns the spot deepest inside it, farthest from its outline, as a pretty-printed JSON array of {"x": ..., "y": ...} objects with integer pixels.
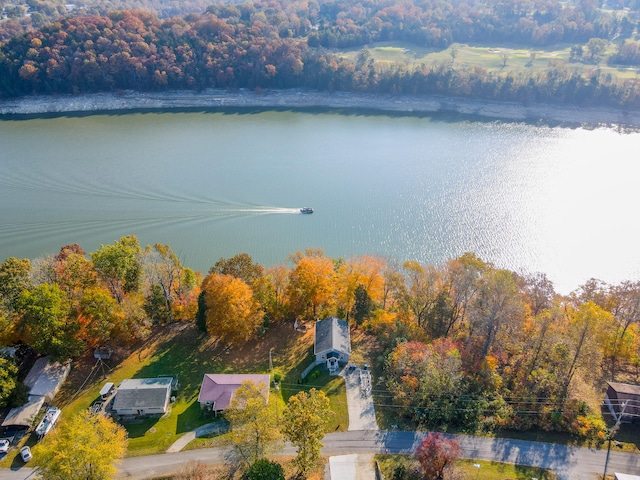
[{"x": 571, "y": 463}]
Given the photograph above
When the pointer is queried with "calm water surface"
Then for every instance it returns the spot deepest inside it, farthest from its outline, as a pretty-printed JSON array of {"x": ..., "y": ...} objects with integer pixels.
[{"x": 528, "y": 198}]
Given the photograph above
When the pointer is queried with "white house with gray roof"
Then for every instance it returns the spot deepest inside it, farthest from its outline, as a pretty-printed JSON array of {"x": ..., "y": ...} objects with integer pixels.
[
  {"x": 332, "y": 342},
  {"x": 143, "y": 396}
]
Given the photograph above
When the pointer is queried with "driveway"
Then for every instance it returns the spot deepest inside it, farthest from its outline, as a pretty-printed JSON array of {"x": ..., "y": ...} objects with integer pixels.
[
  {"x": 362, "y": 414},
  {"x": 352, "y": 467}
]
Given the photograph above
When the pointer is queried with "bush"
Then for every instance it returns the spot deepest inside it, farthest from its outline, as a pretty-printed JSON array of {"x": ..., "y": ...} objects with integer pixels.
[
  {"x": 264, "y": 470},
  {"x": 400, "y": 472}
]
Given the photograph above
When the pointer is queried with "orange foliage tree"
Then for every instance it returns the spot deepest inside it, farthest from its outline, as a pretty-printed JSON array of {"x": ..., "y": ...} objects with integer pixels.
[{"x": 231, "y": 311}]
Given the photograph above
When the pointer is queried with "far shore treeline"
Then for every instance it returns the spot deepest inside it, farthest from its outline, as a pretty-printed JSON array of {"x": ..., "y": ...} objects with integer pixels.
[
  {"x": 463, "y": 345},
  {"x": 294, "y": 44}
]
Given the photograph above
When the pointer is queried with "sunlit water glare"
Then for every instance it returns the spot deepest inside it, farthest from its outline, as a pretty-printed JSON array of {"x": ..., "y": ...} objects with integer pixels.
[{"x": 529, "y": 198}]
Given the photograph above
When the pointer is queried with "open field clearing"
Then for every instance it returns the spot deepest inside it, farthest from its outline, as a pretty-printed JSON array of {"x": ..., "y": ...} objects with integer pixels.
[{"x": 499, "y": 59}]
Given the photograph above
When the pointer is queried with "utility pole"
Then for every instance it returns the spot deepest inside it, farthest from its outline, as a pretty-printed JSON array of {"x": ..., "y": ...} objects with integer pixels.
[
  {"x": 270, "y": 362},
  {"x": 612, "y": 432}
]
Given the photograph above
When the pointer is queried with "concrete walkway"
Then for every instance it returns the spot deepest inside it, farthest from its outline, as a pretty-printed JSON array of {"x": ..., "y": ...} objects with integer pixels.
[
  {"x": 362, "y": 414},
  {"x": 202, "y": 431},
  {"x": 352, "y": 467}
]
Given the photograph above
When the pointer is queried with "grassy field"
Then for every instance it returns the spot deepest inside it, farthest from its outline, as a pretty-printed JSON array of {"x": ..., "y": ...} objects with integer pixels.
[
  {"x": 492, "y": 58},
  {"x": 467, "y": 469},
  {"x": 181, "y": 350}
]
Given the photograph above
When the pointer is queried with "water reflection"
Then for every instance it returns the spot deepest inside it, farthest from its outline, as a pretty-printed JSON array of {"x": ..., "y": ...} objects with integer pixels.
[{"x": 529, "y": 198}]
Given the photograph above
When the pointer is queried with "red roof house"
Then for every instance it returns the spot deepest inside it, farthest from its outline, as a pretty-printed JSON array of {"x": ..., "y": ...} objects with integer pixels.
[{"x": 217, "y": 390}]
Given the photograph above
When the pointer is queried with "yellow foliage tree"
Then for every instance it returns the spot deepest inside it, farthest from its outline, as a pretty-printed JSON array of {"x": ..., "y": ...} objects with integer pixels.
[
  {"x": 83, "y": 447},
  {"x": 365, "y": 271},
  {"x": 306, "y": 419},
  {"x": 232, "y": 312},
  {"x": 311, "y": 285},
  {"x": 254, "y": 426}
]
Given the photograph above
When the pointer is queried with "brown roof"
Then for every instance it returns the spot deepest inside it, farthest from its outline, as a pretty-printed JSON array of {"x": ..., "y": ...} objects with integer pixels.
[
  {"x": 23, "y": 416},
  {"x": 625, "y": 388},
  {"x": 219, "y": 388}
]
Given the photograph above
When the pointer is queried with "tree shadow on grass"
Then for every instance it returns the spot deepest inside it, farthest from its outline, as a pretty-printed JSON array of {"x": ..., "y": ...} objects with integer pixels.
[
  {"x": 139, "y": 427},
  {"x": 191, "y": 418},
  {"x": 182, "y": 356}
]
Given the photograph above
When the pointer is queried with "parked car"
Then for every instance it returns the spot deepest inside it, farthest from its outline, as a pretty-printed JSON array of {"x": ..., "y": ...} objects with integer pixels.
[
  {"x": 4, "y": 446},
  {"x": 25, "y": 453}
]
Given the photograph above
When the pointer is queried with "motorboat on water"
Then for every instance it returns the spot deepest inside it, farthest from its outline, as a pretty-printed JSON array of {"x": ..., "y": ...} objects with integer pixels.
[
  {"x": 306, "y": 210},
  {"x": 50, "y": 418}
]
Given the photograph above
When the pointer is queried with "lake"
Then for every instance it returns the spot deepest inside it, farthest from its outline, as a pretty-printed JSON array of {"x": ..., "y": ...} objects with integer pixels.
[{"x": 526, "y": 197}]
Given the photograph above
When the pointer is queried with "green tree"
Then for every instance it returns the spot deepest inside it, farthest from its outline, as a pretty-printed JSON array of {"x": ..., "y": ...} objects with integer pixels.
[
  {"x": 119, "y": 266},
  {"x": 596, "y": 46},
  {"x": 14, "y": 279},
  {"x": 254, "y": 426},
  {"x": 8, "y": 379},
  {"x": 362, "y": 305},
  {"x": 306, "y": 419},
  {"x": 239, "y": 266},
  {"x": 155, "y": 305},
  {"x": 83, "y": 447},
  {"x": 44, "y": 324}
]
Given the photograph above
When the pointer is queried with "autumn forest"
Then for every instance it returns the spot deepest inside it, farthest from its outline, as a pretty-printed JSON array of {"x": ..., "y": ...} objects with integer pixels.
[
  {"x": 296, "y": 44},
  {"x": 464, "y": 345}
]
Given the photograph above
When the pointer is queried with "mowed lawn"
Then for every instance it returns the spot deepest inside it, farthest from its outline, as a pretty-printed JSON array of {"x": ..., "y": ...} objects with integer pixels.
[
  {"x": 493, "y": 58},
  {"x": 473, "y": 469},
  {"x": 181, "y": 350}
]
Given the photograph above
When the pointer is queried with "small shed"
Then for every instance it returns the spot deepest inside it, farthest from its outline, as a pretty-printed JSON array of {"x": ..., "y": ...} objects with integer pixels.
[
  {"x": 143, "y": 396},
  {"x": 102, "y": 353},
  {"x": 621, "y": 396},
  {"x": 45, "y": 378},
  {"x": 332, "y": 342},
  {"x": 217, "y": 390},
  {"x": 23, "y": 417},
  {"x": 107, "y": 390}
]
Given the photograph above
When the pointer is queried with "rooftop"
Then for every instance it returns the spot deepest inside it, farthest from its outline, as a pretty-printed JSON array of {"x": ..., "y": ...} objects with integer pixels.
[
  {"x": 332, "y": 334},
  {"x": 139, "y": 393},
  {"x": 625, "y": 388},
  {"x": 218, "y": 389}
]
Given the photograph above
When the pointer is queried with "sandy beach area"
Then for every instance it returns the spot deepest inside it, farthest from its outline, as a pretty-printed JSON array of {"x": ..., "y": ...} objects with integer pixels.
[{"x": 303, "y": 99}]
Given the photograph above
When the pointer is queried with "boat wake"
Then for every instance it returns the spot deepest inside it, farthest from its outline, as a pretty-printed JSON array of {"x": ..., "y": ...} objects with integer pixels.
[{"x": 269, "y": 210}]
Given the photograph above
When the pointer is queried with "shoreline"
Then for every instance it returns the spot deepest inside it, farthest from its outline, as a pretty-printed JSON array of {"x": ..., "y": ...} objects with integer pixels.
[{"x": 303, "y": 99}]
